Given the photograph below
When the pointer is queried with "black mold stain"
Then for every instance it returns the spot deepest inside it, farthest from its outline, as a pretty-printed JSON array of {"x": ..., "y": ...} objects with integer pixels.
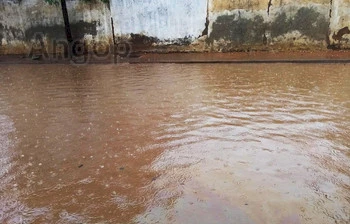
[
  {"x": 182, "y": 41},
  {"x": 78, "y": 29},
  {"x": 307, "y": 21},
  {"x": 339, "y": 35},
  {"x": 239, "y": 30},
  {"x": 142, "y": 42}
]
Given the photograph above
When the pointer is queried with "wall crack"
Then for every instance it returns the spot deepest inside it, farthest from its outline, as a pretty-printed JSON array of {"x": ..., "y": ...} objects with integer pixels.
[
  {"x": 206, "y": 29},
  {"x": 269, "y": 6}
]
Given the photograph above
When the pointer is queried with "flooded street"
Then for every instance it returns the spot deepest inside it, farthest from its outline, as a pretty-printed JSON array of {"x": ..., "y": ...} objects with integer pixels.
[{"x": 172, "y": 143}]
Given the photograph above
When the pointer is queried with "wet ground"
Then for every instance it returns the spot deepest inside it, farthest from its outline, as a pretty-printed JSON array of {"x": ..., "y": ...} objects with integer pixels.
[
  {"x": 172, "y": 143},
  {"x": 328, "y": 56}
]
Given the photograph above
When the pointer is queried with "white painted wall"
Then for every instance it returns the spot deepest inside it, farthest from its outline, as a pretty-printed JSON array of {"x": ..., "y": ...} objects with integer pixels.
[
  {"x": 340, "y": 18},
  {"x": 340, "y": 14},
  {"x": 164, "y": 19}
]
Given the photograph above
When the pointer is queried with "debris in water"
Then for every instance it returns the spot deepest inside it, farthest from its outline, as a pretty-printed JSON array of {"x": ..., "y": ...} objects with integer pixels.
[
  {"x": 155, "y": 178},
  {"x": 36, "y": 57}
]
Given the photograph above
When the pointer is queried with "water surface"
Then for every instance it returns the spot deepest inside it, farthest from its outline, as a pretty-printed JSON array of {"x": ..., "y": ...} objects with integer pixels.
[{"x": 221, "y": 143}]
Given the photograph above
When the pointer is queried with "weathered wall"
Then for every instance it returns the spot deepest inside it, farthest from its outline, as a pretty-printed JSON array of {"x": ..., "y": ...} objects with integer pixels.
[
  {"x": 163, "y": 19},
  {"x": 21, "y": 20},
  {"x": 340, "y": 23},
  {"x": 281, "y": 24},
  {"x": 182, "y": 25},
  {"x": 264, "y": 24}
]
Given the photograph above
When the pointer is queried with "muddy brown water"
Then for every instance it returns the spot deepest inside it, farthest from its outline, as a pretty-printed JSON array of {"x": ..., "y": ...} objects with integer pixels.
[{"x": 250, "y": 143}]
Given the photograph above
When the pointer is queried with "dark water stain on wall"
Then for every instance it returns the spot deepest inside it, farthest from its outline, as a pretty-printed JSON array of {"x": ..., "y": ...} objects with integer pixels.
[
  {"x": 81, "y": 28},
  {"x": 1, "y": 33},
  {"x": 339, "y": 35},
  {"x": 143, "y": 43},
  {"x": 51, "y": 32},
  {"x": 11, "y": 33},
  {"x": 78, "y": 29},
  {"x": 281, "y": 25},
  {"x": 15, "y": 33},
  {"x": 307, "y": 21},
  {"x": 239, "y": 30}
]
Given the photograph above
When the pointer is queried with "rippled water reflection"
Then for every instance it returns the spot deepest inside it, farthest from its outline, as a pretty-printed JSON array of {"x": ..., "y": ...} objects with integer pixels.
[{"x": 175, "y": 143}]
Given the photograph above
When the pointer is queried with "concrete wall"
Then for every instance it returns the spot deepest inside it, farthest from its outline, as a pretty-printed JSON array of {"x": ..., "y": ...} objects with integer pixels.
[
  {"x": 261, "y": 24},
  {"x": 281, "y": 24},
  {"x": 163, "y": 19},
  {"x": 20, "y": 20},
  {"x": 182, "y": 25},
  {"x": 340, "y": 23}
]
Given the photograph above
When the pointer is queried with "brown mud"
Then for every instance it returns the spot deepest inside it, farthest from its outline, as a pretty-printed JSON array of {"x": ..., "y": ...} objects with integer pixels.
[{"x": 329, "y": 56}]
